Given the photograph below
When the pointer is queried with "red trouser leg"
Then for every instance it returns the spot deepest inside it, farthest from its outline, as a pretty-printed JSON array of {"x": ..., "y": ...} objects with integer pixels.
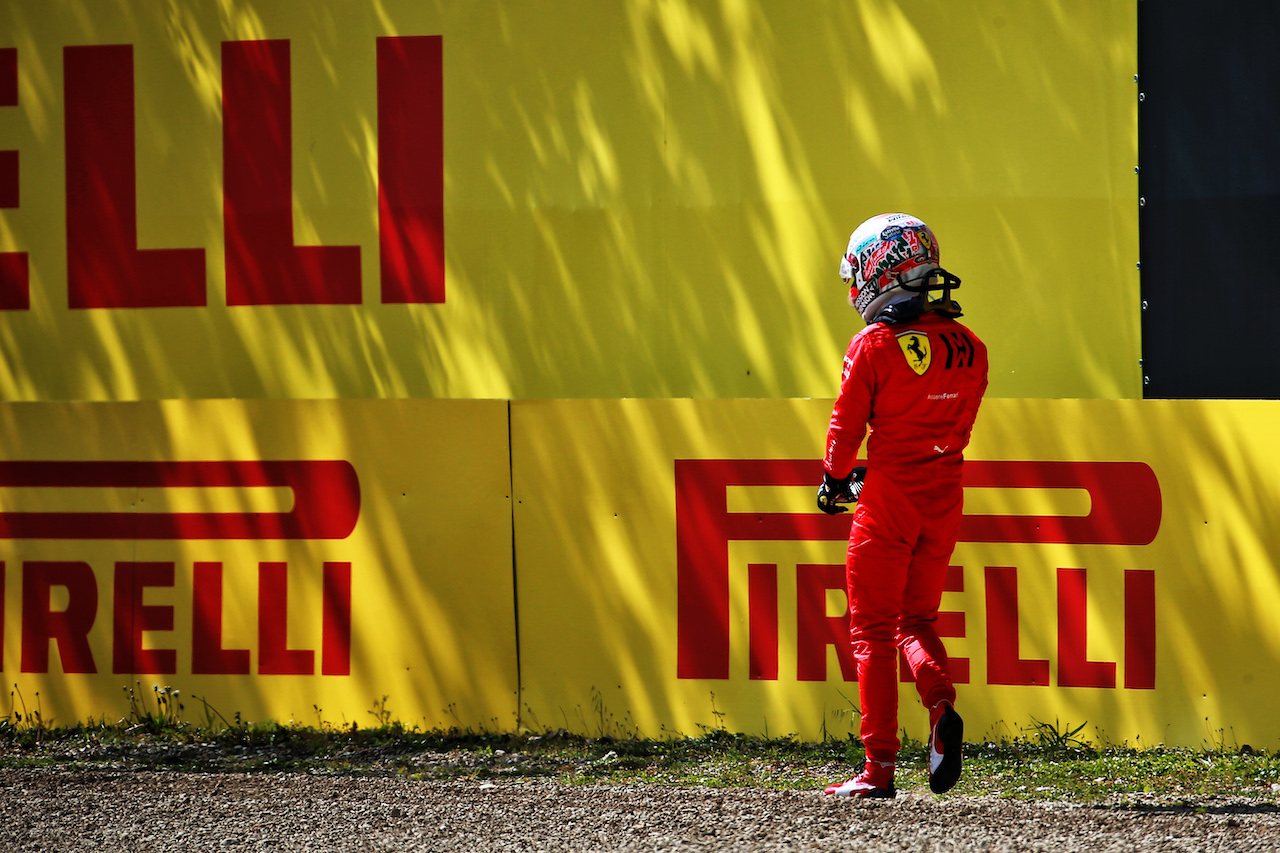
[
  {"x": 896, "y": 565},
  {"x": 917, "y": 635},
  {"x": 876, "y": 566}
]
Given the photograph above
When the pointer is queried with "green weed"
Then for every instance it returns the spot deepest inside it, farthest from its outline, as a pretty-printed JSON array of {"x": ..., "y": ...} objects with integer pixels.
[
  {"x": 167, "y": 713},
  {"x": 28, "y": 724}
]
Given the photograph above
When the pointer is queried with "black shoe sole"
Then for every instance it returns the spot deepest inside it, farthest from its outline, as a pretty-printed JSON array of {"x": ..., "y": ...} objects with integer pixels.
[
  {"x": 951, "y": 735},
  {"x": 880, "y": 794}
]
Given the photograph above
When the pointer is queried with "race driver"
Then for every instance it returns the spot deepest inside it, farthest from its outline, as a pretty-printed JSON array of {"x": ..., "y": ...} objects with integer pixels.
[{"x": 912, "y": 383}]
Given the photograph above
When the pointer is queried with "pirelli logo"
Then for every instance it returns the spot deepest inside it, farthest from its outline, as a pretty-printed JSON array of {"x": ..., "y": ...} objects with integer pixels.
[
  {"x": 188, "y": 500},
  {"x": 1123, "y": 509}
]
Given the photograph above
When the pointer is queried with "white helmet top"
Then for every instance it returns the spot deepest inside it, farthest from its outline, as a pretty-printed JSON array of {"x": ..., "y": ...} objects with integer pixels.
[{"x": 889, "y": 254}]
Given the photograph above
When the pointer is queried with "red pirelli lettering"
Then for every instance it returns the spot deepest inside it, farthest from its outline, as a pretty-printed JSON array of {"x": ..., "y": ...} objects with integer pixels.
[
  {"x": 274, "y": 655},
  {"x": 68, "y": 629},
  {"x": 762, "y": 604},
  {"x": 65, "y": 620},
  {"x": 208, "y": 657},
  {"x": 15, "y": 278},
  {"x": 1140, "y": 629},
  {"x": 335, "y": 632},
  {"x": 326, "y": 497},
  {"x": 264, "y": 266},
  {"x": 8, "y": 76},
  {"x": 9, "y": 179},
  {"x": 411, "y": 168},
  {"x": 815, "y": 630},
  {"x": 1074, "y": 667},
  {"x": 130, "y": 618},
  {"x": 15, "y": 291},
  {"x": 1004, "y": 664},
  {"x": 105, "y": 267}
]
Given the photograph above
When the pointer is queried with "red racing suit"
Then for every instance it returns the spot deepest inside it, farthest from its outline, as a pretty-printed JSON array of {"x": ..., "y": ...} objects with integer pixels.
[{"x": 916, "y": 388}]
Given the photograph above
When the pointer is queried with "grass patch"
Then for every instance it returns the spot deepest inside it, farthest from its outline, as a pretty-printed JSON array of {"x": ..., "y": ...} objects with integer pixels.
[{"x": 1039, "y": 763}]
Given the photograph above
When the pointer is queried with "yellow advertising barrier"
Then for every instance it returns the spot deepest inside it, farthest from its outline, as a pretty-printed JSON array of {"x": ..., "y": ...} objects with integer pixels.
[
  {"x": 309, "y": 561},
  {"x": 1116, "y": 569},
  {"x": 302, "y": 560},
  {"x": 252, "y": 199}
]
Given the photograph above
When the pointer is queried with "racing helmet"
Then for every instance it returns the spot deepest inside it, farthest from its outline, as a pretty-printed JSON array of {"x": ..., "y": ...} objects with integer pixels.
[{"x": 889, "y": 254}]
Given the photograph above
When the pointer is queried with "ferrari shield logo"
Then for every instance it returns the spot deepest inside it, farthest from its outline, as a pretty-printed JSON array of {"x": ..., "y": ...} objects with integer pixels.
[{"x": 915, "y": 346}]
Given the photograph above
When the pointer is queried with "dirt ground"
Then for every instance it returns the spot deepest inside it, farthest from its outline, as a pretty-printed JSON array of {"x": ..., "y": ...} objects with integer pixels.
[{"x": 107, "y": 810}]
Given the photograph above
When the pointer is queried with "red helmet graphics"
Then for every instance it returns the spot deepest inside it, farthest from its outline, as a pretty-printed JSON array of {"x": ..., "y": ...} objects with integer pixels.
[{"x": 886, "y": 252}]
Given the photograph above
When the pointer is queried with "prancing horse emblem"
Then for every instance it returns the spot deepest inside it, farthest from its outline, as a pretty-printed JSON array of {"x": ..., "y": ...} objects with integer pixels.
[{"x": 915, "y": 346}]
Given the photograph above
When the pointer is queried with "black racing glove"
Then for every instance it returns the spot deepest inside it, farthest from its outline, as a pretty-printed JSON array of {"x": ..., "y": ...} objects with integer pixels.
[{"x": 835, "y": 491}]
